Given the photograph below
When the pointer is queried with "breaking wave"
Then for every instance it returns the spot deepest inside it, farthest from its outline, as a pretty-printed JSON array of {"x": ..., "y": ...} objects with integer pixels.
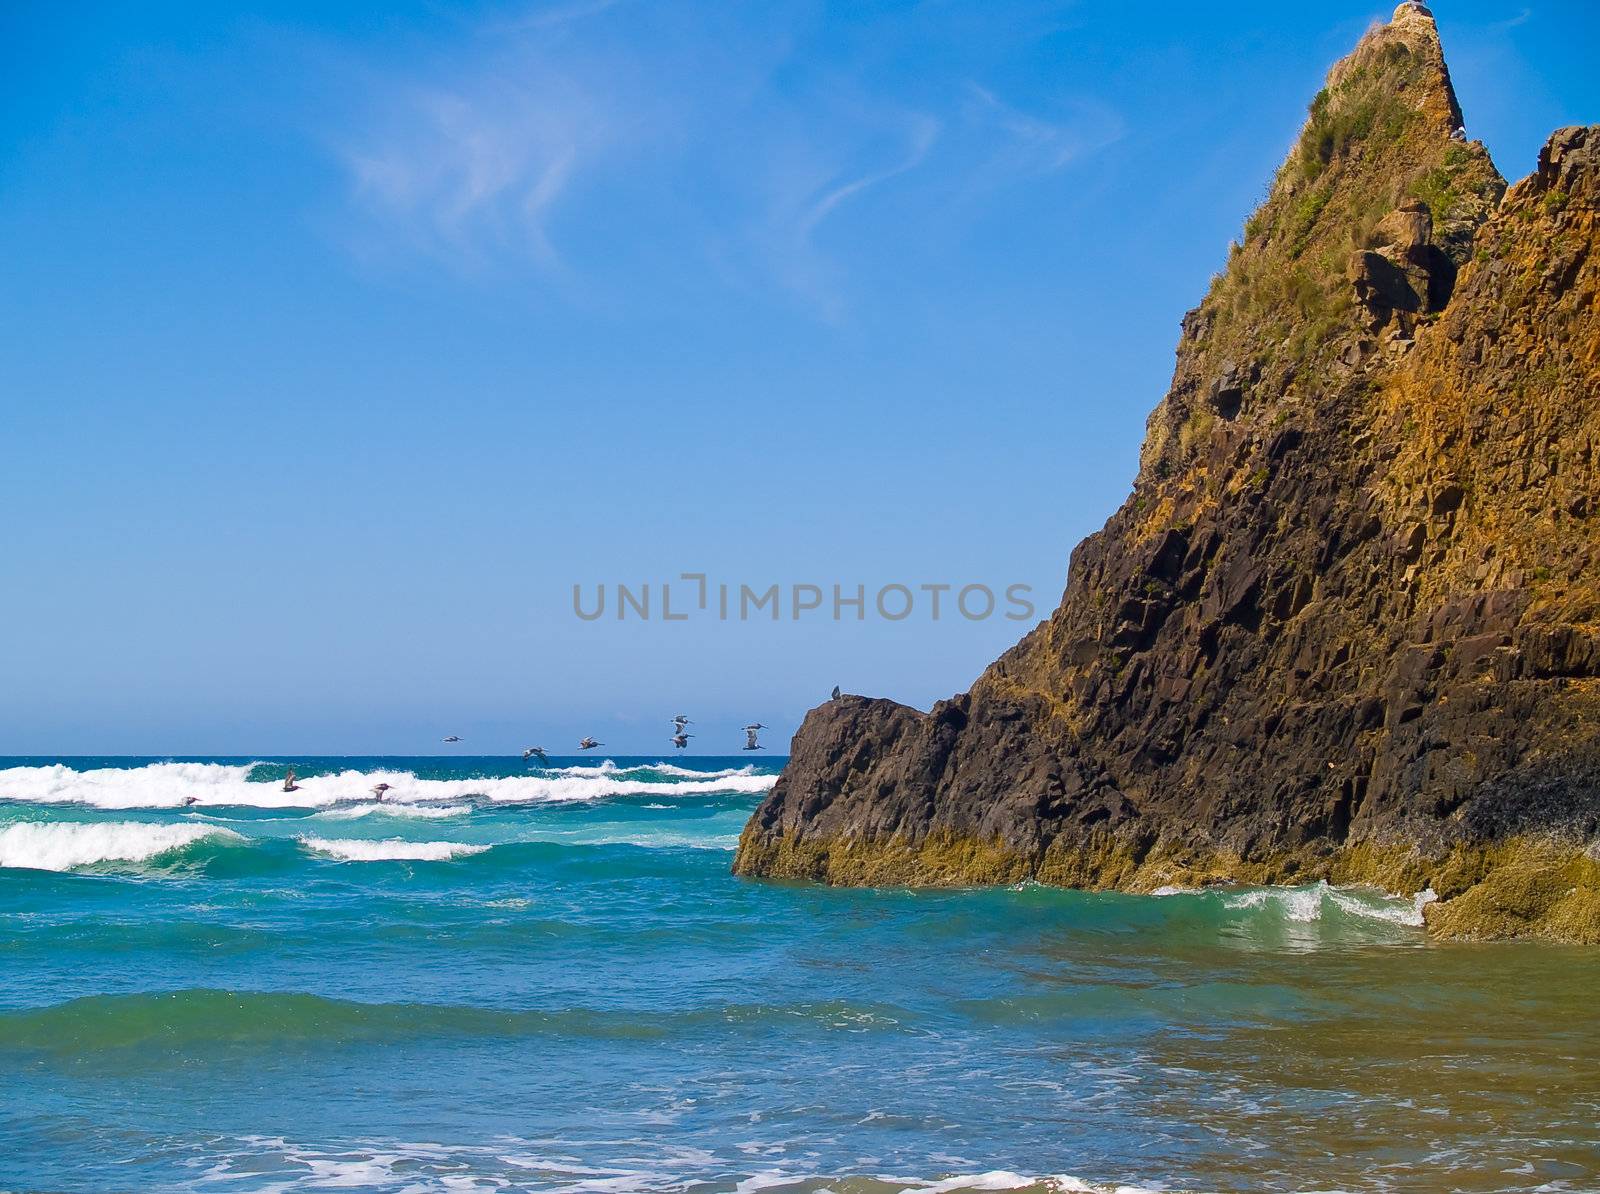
[
  {"x": 392, "y": 850},
  {"x": 1315, "y": 902},
  {"x": 175, "y": 785},
  {"x": 426, "y": 812},
  {"x": 63, "y": 846}
]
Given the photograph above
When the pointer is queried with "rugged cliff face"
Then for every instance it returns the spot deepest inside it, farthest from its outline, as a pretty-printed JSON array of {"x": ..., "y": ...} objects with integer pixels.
[{"x": 1347, "y": 625}]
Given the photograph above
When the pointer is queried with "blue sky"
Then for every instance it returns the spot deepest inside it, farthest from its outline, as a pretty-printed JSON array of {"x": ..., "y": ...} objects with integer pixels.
[{"x": 338, "y": 342}]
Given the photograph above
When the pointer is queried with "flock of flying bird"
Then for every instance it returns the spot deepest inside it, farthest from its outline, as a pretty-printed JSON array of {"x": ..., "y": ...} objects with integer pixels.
[{"x": 680, "y": 739}]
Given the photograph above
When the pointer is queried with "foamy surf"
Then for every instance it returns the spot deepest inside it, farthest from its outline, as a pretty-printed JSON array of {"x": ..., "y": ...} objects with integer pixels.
[
  {"x": 1305, "y": 905},
  {"x": 421, "y": 812},
  {"x": 993, "y": 1181},
  {"x": 525, "y": 1165},
  {"x": 1003, "y": 1180},
  {"x": 391, "y": 850},
  {"x": 177, "y": 785},
  {"x": 612, "y": 767},
  {"x": 63, "y": 846}
]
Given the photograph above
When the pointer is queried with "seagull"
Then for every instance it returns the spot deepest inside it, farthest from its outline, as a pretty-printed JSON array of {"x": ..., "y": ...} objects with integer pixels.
[
  {"x": 681, "y": 740},
  {"x": 535, "y": 752},
  {"x": 589, "y": 744},
  {"x": 750, "y": 742},
  {"x": 453, "y": 738},
  {"x": 835, "y": 692},
  {"x": 380, "y": 790}
]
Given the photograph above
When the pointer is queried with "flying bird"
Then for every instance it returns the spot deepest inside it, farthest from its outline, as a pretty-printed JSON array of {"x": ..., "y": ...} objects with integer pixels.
[
  {"x": 589, "y": 744},
  {"x": 535, "y": 752},
  {"x": 380, "y": 790},
  {"x": 754, "y": 725},
  {"x": 681, "y": 740},
  {"x": 680, "y": 721},
  {"x": 453, "y": 738},
  {"x": 750, "y": 742}
]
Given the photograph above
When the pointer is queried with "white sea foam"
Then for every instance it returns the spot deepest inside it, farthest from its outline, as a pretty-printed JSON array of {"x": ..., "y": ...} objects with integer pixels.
[
  {"x": 428, "y": 812},
  {"x": 173, "y": 785},
  {"x": 1379, "y": 907},
  {"x": 666, "y": 840},
  {"x": 690, "y": 773},
  {"x": 60, "y": 846},
  {"x": 393, "y": 849},
  {"x": 1304, "y": 905},
  {"x": 999, "y": 1179},
  {"x": 609, "y": 767},
  {"x": 406, "y": 1167}
]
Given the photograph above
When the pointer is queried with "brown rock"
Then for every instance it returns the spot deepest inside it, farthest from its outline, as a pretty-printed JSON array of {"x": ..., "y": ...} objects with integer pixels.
[{"x": 1348, "y": 624}]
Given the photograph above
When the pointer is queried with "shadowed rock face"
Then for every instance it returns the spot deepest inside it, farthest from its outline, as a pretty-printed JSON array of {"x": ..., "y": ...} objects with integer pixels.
[{"x": 1347, "y": 625}]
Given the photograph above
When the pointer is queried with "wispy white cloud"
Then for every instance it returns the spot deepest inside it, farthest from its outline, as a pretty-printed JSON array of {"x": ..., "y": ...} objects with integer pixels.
[
  {"x": 809, "y": 179},
  {"x": 1522, "y": 18},
  {"x": 480, "y": 167},
  {"x": 569, "y": 135},
  {"x": 921, "y": 132},
  {"x": 1028, "y": 144}
]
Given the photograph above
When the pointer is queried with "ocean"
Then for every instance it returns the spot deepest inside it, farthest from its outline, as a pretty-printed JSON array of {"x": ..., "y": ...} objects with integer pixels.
[{"x": 519, "y": 978}]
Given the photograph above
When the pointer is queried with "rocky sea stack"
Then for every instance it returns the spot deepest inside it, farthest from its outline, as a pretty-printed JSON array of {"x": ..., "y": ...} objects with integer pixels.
[{"x": 1347, "y": 625}]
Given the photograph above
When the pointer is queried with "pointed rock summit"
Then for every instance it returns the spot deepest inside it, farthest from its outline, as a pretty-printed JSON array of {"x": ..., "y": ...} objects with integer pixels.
[{"x": 1347, "y": 624}]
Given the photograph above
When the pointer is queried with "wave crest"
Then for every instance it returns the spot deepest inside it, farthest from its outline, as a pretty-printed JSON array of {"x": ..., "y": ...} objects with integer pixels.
[
  {"x": 1305, "y": 905},
  {"x": 175, "y": 785},
  {"x": 63, "y": 846},
  {"x": 390, "y": 850},
  {"x": 424, "y": 812}
]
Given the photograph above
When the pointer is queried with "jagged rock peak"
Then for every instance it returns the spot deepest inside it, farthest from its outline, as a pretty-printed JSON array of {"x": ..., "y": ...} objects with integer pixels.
[{"x": 1361, "y": 233}]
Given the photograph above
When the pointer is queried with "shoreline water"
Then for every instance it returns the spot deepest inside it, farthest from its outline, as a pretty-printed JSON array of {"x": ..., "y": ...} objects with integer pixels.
[{"x": 560, "y": 992}]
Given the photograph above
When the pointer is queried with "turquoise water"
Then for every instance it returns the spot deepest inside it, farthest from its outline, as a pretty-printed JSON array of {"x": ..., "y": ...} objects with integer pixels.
[{"x": 515, "y": 979}]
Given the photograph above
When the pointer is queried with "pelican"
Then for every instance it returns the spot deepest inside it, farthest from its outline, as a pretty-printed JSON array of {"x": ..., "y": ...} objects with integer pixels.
[
  {"x": 681, "y": 740},
  {"x": 453, "y": 738},
  {"x": 535, "y": 752},
  {"x": 680, "y": 721},
  {"x": 750, "y": 742},
  {"x": 754, "y": 725},
  {"x": 589, "y": 744},
  {"x": 381, "y": 790},
  {"x": 835, "y": 692}
]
